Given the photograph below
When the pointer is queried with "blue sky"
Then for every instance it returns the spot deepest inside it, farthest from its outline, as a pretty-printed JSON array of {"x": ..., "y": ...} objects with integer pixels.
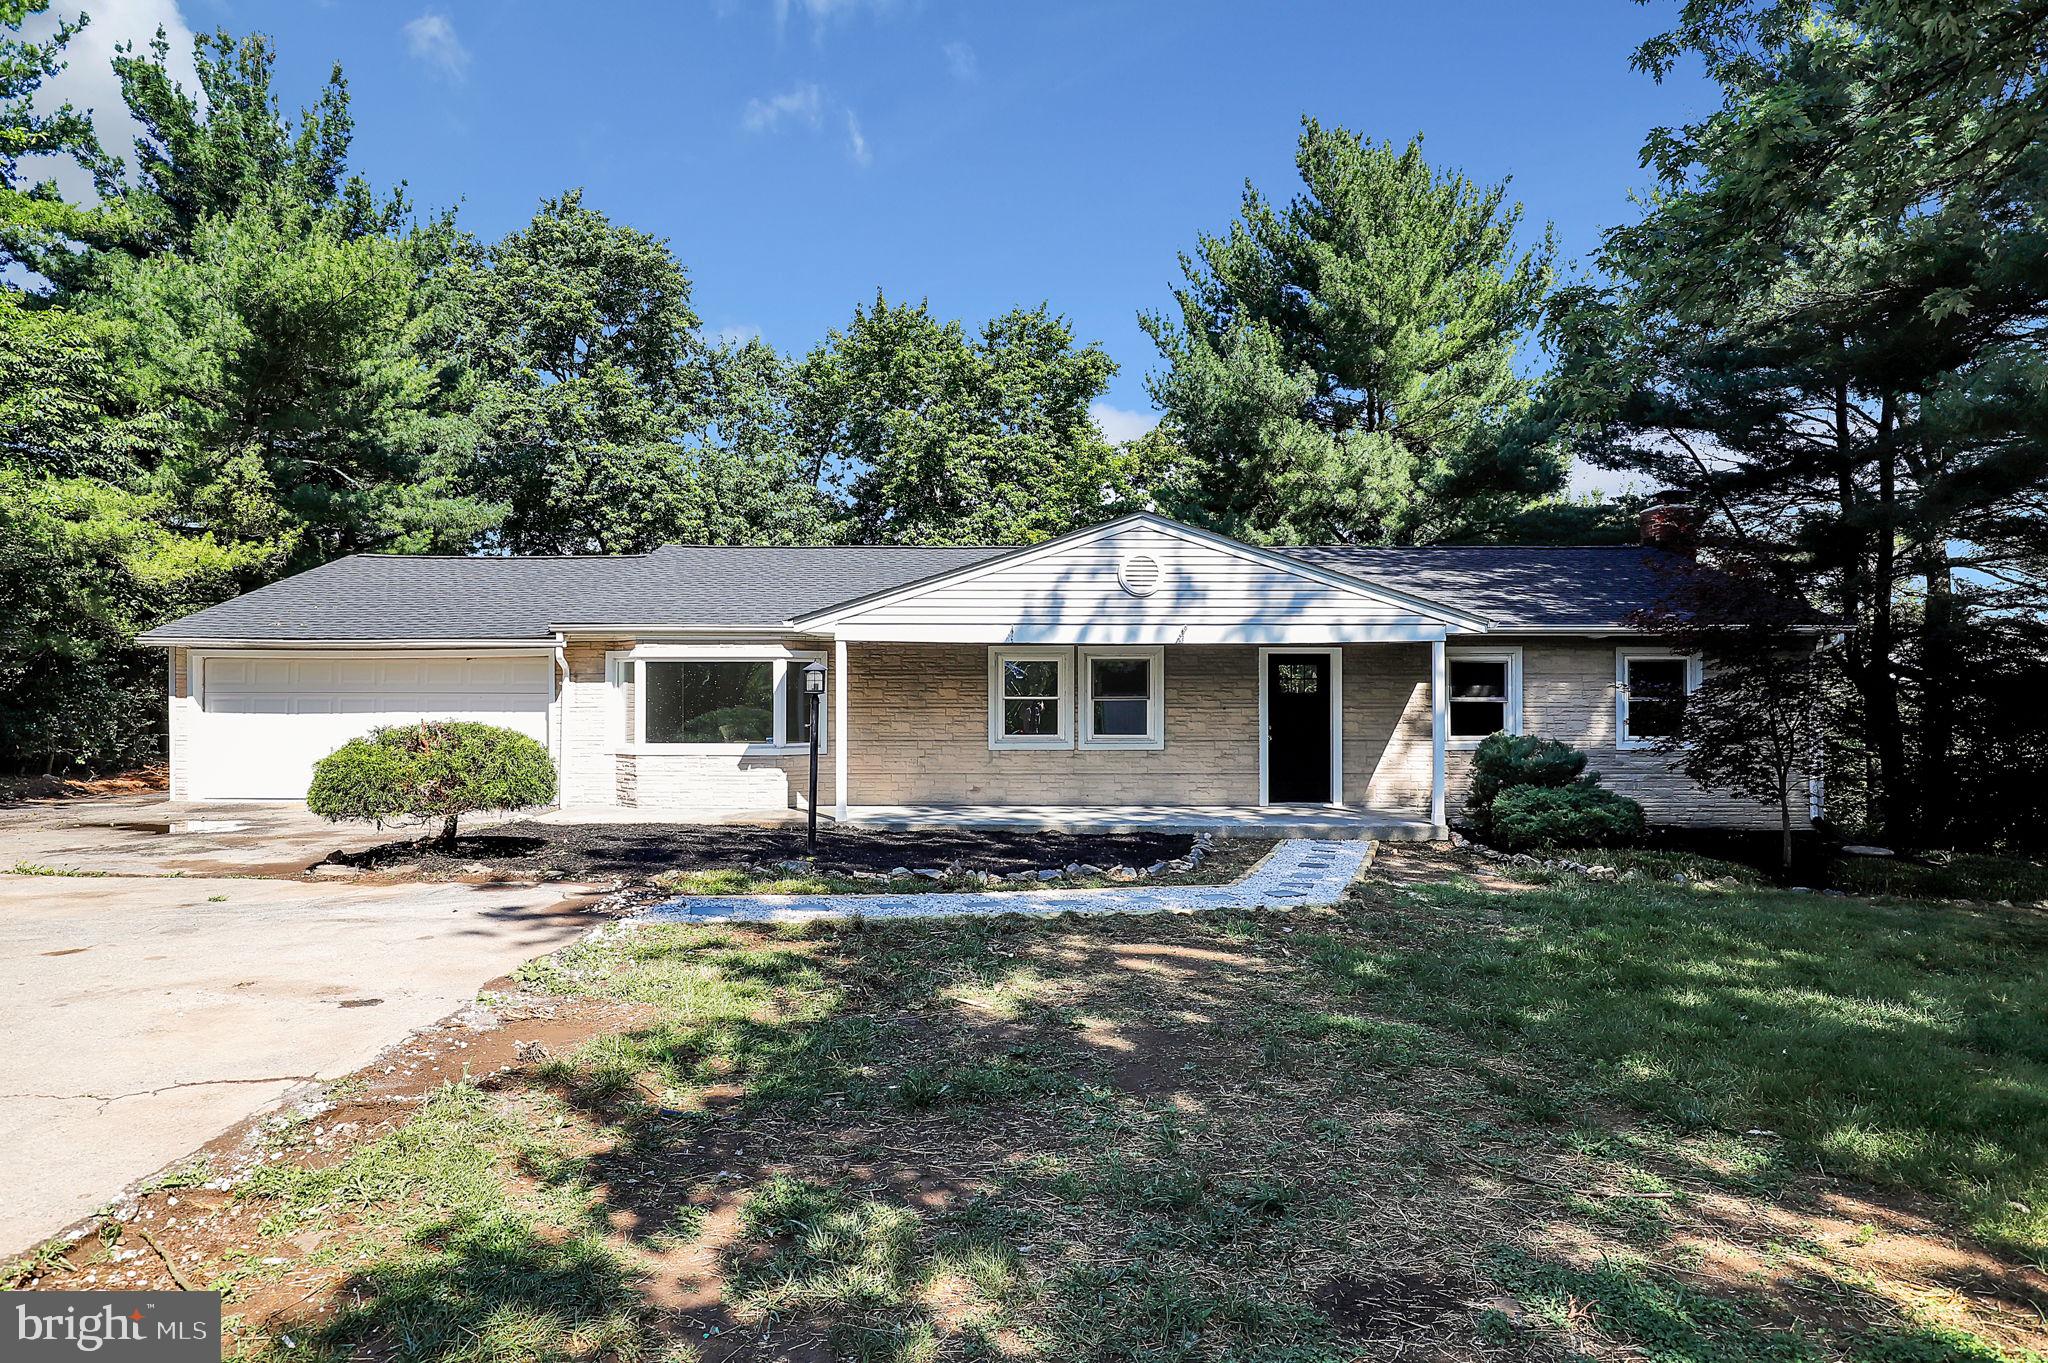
[{"x": 799, "y": 154}]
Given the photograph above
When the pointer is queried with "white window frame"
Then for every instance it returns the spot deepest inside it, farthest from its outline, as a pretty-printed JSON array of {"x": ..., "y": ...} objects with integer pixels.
[
  {"x": 786, "y": 670},
  {"x": 1154, "y": 737},
  {"x": 1623, "y": 740},
  {"x": 998, "y": 741},
  {"x": 1512, "y": 716}
]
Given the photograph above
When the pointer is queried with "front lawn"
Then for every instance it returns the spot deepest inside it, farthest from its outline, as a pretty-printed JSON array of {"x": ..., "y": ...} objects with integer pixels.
[{"x": 1455, "y": 1117}]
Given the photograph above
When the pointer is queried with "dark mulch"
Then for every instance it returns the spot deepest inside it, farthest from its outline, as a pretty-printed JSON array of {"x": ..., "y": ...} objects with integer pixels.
[{"x": 596, "y": 851}]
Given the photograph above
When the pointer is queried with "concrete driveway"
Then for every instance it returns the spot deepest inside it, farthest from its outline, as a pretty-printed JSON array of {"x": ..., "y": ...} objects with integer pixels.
[
  {"x": 144, "y": 1016},
  {"x": 149, "y": 835}
]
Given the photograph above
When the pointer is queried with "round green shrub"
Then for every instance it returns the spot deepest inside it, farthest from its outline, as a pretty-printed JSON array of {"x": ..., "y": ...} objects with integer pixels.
[
  {"x": 439, "y": 769},
  {"x": 1504, "y": 761},
  {"x": 1582, "y": 815}
]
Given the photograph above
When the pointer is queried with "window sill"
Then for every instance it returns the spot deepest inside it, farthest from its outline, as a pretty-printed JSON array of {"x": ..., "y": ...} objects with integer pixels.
[
  {"x": 1123, "y": 744},
  {"x": 1031, "y": 745}
]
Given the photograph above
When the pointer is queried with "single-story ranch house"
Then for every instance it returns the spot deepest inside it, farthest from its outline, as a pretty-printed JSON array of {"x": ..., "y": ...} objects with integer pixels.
[{"x": 1131, "y": 670}]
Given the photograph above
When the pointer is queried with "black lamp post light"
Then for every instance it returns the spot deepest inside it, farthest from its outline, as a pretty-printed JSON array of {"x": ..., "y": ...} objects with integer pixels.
[{"x": 814, "y": 698}]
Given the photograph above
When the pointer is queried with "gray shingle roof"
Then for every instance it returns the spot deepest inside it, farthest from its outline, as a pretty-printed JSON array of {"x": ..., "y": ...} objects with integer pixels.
[
  {"x": 388, "y": 596},
  {"x": 391, "y": 597},
  {"x": 1530, "y": 585}
]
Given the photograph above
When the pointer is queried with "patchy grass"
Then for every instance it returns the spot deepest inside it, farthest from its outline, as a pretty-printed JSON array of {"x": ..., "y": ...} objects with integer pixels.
[
  {"x": 36, "y": 868},
  {"x": 1453, "y": 1118},
  {"x": 1893, "y": 1041}
]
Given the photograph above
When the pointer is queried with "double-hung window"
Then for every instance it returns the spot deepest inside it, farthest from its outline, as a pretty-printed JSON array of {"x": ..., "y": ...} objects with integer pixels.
[
  {"x": 1485, "y": 693},
  {"x": 1030, "y": 697},
  {"x": 1650, "y": 687},
  {"x": 722, "y": 702},
  {"x": 1122, "y": 697}
]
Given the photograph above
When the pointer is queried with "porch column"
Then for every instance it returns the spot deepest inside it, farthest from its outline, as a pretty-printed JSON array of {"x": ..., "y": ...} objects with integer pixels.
[
  {"x": 1439, "y": 715},
  {"x": 839, "y": 731}
]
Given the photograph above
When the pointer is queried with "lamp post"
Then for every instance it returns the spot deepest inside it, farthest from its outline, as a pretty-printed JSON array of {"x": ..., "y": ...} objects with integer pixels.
[{"x": 814, "y": 698}]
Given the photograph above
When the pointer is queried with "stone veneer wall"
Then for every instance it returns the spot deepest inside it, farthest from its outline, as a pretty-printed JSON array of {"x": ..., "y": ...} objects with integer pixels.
[
  {"x": 600, "y": 768},
  {"x": 919, "y": 735}
]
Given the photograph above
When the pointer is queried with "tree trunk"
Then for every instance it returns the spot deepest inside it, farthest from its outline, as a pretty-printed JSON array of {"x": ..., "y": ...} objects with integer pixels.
[
  {"x": 1938, "y": 687},
  {"x": 1884, "y": 726},
  {"x": 447, "y": 838},
  {"x": 1785, "y": 830}
]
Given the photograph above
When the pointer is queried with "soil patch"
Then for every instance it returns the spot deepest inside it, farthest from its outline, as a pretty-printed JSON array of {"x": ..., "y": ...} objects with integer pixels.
[
  {"x": 638, "y": 851},
  {"x": 144, "y": 781},
  {"x": 1387, "y": 1305}
]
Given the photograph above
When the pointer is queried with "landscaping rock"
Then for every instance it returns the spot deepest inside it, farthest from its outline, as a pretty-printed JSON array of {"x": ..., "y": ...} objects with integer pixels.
[
  {"x": 930, "y": 872},
  {"x": 898, "y": 872},
  {"x": 1863, "y": 850},
  {"x": 793, "y": 867},
  {"x": 1121, "y": 873},
  {"x": 1048, "y": 874},
  {"x": 1155, "y": 868}
]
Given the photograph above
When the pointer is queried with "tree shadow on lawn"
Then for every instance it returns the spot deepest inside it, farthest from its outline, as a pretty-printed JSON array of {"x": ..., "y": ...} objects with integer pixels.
[{"x": 885, "y": 1141}]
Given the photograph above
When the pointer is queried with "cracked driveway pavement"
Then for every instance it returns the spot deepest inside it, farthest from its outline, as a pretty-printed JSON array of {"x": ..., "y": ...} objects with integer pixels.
[{"x": 144, "y": 1016}]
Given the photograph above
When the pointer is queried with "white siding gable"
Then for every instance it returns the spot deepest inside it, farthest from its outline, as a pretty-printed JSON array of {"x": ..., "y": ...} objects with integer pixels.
[{"x": 1143, "y": 580}]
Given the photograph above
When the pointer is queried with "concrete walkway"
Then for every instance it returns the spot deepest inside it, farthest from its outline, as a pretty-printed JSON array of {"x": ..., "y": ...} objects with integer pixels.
[{"x": 1303, "y": 871}]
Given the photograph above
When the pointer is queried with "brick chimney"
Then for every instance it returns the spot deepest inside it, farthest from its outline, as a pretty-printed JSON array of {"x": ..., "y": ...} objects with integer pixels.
[{"x": 1669, "y": 521}]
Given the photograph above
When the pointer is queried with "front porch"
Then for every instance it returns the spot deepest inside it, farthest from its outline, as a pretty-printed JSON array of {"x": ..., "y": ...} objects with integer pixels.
[{"x": 1245, "y": 821}]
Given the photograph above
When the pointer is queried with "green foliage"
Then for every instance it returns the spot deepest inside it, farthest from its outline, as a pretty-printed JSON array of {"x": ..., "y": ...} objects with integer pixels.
[
  {"x": 604, "y": 424},
  {"x": 1577, "y": 815},
  {"x": 938, "y": 437},
  {"x": 1504, "y": 760},
  {"x": 33, "y": 216},
  {"x": 1836, "y": 294},
  {"x": 84, "y": 566},
  {"x": 1342, "y": 368},
  {"x": 437, "y": 769},
  {"x": 290, "y": 364}
]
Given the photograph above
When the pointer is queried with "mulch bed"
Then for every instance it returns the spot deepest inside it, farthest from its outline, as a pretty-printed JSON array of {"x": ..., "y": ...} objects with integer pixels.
[{"x": 635, "y": 851}]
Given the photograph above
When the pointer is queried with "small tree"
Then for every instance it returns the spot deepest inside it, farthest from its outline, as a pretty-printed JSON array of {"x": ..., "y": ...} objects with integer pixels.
[
  {"x": 437, "y": 769},
  {"x": 1758, "y": 716}
]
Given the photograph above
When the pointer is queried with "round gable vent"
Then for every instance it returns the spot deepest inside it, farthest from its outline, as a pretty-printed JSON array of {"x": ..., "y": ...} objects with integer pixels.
[{"x": 1139, "y": 574}]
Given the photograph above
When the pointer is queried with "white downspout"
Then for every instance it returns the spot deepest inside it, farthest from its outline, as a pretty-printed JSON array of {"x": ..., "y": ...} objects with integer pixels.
[{"x": 1439, "y": 686}]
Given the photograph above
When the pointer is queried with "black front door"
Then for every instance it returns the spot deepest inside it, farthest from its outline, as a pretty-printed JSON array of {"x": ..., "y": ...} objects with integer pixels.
[{"x": 1298, "y": 728}]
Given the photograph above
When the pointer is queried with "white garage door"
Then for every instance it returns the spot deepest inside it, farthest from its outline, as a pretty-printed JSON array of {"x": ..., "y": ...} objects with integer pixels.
[{"x": 264, "y": 720}]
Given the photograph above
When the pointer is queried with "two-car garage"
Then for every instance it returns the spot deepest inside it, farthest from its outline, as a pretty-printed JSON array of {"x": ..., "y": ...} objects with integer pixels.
[{"x": 260, "y": 720}]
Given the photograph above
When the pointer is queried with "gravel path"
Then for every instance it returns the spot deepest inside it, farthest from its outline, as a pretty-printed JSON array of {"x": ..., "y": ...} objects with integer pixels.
[{"x": 1299, "y": 872}]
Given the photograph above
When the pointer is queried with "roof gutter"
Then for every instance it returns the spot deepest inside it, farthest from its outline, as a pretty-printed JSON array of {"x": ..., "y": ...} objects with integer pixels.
[{"x": 536, "y": 644}]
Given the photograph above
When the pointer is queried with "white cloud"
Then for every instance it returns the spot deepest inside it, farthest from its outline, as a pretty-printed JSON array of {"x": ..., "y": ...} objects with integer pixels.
[
  {"x": 88, "y": 80},
  {"x": 962, "y": 62},
  {"x": 431, "y": 39},
  {"x": 738, "y": 334},
  {"x": 856, "y": 145},
  {"x": 820, "y": 12},
  {"x": 1119, "y": 424},
  {"x": 804, "y": 104}
]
